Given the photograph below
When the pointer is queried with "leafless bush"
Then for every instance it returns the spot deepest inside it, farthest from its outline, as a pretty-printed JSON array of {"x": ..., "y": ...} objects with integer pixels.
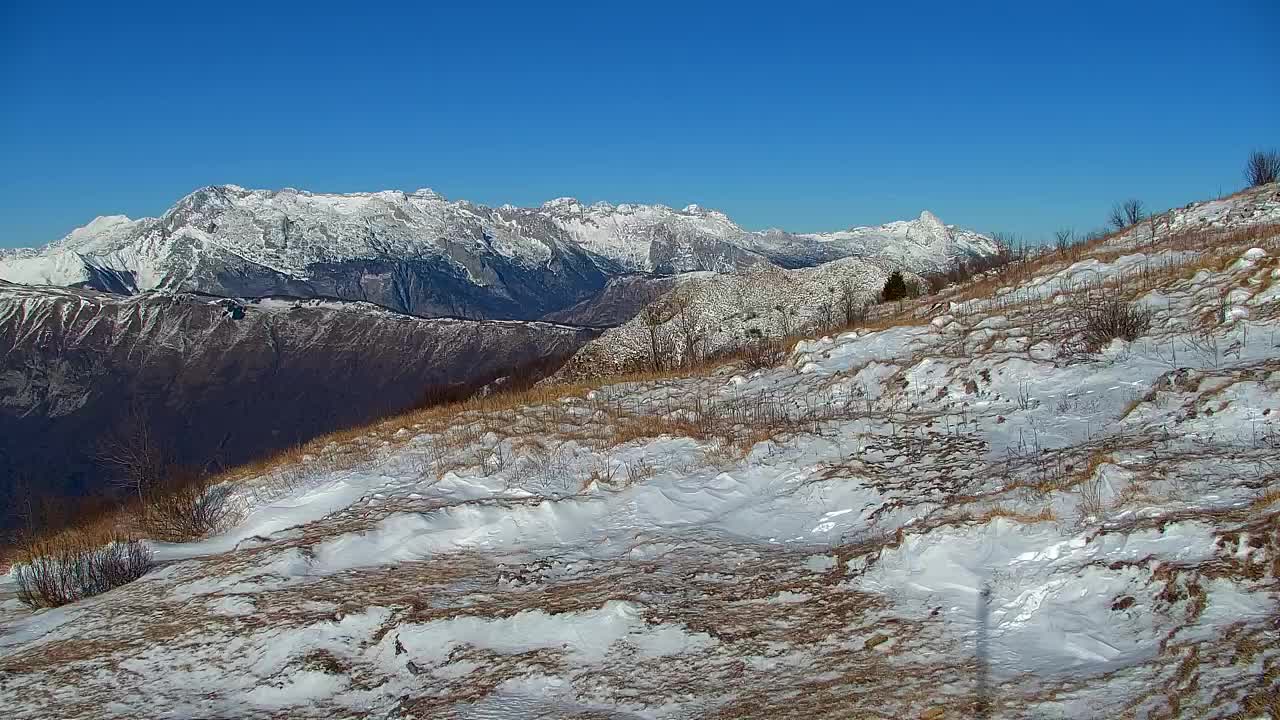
[
  {"x": 638, "y": 471},
  {"x": 1263, "y": 167},
  {"x": 762, "y": 353},
  {"x": 497, "y": 460},
  {"x": 1101, "y": 321},
  {"x": 605, "y": 473},
  {"x": 851, "y": 304},
  {"x": 1091, "y": 505},
  {"x": 937, "y": 282},
  {"x": 548, "y": 467},
  {"x": 826, "y": 316},
  {"x": 1127, "y": 214},
  {"x": 186, "y": 506},
  {"x": 56, "y": 573},
  {"x": 1010, "y": 254}
]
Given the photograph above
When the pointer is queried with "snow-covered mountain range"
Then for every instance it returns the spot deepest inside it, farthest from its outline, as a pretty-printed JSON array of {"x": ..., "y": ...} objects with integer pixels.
[{"x": 423, "y": 254}]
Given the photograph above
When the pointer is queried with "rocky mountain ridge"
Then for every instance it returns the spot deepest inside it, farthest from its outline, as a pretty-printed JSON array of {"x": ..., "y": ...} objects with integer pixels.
[
  {"x": 222, "y": 381},
  {"x": 422, "y": 254}
]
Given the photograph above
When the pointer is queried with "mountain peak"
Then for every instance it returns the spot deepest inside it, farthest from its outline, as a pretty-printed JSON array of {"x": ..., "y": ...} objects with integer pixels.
[
  {"x": 929, "y": 218},
  {"x": 562, "y": 203},
  {"x": 98, "y": 225},
  {"x": 929, "y": 229}
]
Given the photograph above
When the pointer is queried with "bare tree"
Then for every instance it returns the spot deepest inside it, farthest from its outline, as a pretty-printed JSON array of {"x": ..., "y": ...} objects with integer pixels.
[
  {"x": 851, "y": 305},
  {"x": 688, "y": 321},
  {"x": 1010, "y": 251},
  {"x": 133, "y": 454},
  {"x": 827, "y": 315},
  {"x": 1127, "y": 214},
  {"x": 784, "y": 320},
  {"x": 659, "y": 342},
  {"x": 1134, "y": 211},
  {"x": 1263, "y": 167},
  {"x": 1116, "y": 218},
  {"x": 1063, "y": 240}
]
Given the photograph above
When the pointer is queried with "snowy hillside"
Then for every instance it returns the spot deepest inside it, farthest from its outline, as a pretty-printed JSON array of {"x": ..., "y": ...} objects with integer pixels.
[
  {"x": 723, "y": 312},
  {"x": 976, "y": 512},
  {"x": 420, "y": 253},
  {"x": 920, "y": 245}
]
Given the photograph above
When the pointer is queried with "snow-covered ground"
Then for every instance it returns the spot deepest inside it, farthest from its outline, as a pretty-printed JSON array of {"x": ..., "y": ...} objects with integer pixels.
[
  {"x": 966, "y": 512},
  {"x": 726, "y": 311}
]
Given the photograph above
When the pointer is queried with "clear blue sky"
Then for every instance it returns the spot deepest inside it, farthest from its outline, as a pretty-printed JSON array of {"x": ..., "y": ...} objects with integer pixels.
[{"x": 1020, "y": 117}]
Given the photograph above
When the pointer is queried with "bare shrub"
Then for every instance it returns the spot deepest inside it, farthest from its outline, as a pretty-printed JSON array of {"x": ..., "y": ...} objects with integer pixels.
[
  {"x": 1011, "y": 254},
  {"x": 185, "y": 507},
  {"x": 937, "y": 282},
  {"x": 762, "y": 353},
  {"x": 1263, "y": 167},
  {"x": 53, "y": 574},
  {"x": 826, "y": 316},
  {"x": 496, "y": 461},
  {"x": 1102, "y": 321},
  {"x": 638, "y": 471},
  {"x": 548, "y": 469},
  {"x": 1091, "y": 505}
]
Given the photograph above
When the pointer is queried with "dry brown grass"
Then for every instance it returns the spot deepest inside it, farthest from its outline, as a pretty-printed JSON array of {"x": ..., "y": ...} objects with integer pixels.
[
  {"x": 120, "y": 525},
  {"x": 1266, "y": 499},
  {"x": 986, "y": 516}
]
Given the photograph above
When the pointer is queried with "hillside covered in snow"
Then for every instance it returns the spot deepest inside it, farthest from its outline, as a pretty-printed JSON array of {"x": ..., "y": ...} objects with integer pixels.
[
  {"x": 422, "y": 254},
  {"x": 1049, "y": 494}
]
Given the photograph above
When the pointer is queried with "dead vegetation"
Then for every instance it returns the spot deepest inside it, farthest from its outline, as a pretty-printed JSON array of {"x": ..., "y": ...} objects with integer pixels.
[
  {"x": 50, "y": 574},
  {"x": 1262, "y": 167},
  {"x": 185, "y": 507},
  {"x": 1101, "y": 320}
]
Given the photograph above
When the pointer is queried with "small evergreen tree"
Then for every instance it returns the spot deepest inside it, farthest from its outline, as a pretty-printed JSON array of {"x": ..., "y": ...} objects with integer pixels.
[{"x": 895, "y": 288}]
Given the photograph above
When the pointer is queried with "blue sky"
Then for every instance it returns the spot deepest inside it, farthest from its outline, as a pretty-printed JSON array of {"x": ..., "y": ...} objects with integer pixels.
[{"x": 1020, "y": 117}]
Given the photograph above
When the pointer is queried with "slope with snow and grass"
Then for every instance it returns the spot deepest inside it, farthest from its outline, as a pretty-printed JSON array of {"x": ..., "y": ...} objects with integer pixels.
[
  {"x": 980, "y": 510},
  {"x": 706, "y": 314}
]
